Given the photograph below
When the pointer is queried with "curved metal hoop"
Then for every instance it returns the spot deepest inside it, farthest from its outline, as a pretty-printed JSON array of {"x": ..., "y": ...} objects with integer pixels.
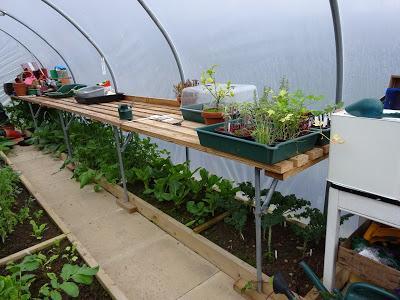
[
  {"x": 86, "y": 35},
  {"x": 23, "y": 45},
  {"x": 167, "y": 38},
  {"x": 339, "y": 49},
  {"x": 42, "y": 38}
]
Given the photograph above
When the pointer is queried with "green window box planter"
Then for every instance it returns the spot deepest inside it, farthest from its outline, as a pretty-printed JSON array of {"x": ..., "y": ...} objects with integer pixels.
[
  {"x": 253, "y": 150},
  {"x": 193, "y": 113}
]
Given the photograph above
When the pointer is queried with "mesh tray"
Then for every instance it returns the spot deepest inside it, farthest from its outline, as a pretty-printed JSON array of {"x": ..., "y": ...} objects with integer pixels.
[{"x": 100, "y": 99}]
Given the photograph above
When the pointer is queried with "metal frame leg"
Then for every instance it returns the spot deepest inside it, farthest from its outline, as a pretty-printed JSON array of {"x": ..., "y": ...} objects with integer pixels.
[
  {"x": 332, "y": 239},
  {"x": 187, "y": 159},
  {"x": 120, "y": 151},
  {"x": 65, "y": 128},
  {"x": 259, "y": 210},
  {"x": 34, "y": 114}
]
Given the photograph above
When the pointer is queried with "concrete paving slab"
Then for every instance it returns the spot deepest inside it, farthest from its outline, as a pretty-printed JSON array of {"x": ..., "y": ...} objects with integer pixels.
[
  {"x": 175, "y": 270},
  {"x": 217, "y": 287},
  {"x": 127, "y": 232}
]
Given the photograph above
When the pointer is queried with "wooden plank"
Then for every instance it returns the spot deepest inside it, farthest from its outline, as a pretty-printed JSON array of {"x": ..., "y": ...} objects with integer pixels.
[
  {"x": 35, "y": 248},
  {"x": 295, "y": 171},
  {"x": 315, "y": 153},
  {"x": 248, "y": 290},
  {"x": 325, "y": 149},
  {"x": 299, "y": 160},
  {"x": 283, "y": 166},
  {"x": 211, "y": 222},
  {"x": 161, "y": 101}
]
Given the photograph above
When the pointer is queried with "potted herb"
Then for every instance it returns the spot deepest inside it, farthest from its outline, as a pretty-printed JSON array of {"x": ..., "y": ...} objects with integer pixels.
[
  {"x": 214, "y": 112},
  {"x": 178, "y": 88}
]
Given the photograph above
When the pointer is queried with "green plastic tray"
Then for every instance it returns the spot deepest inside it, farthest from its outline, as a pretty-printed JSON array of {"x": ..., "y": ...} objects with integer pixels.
[
  {"x": 65, "y": 91},
  {"x": 193, "y": 113},
  {"x": 253, "y": 150}
]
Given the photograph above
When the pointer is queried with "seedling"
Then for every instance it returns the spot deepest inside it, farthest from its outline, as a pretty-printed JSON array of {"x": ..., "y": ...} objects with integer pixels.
[{"x": 38, "y": 229}]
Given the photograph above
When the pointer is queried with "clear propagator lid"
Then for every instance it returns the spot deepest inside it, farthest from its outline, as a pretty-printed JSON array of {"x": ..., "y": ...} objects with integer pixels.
[{"x": 195, "y": 95}]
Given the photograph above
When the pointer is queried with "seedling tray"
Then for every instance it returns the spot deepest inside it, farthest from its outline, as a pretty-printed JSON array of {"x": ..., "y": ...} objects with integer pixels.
[
  {"x": 193, "y": 113},
  {"x": 253, "y": 150},
  {"x": 100, "y": 99}
]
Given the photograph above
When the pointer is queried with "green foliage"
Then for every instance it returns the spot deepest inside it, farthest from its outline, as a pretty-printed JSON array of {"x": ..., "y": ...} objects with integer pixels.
[
  {"x": 8, "y": 192},
  {"x": 38, "y": 229},
  {"x": 5, "y": 144},
  {"x": 87, "y": 176},
  {"x": 16, "y": 284},
  {"x": 314, "y": 230},
  {"x": 70, "y": 277}
]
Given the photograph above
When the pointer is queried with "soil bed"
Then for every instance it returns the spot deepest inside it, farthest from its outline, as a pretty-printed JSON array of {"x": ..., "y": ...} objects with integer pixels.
[
  {"x": 21, "y": 238},
  {"x": 283, "y": 240},
  {"x": 95, "y": 291}
]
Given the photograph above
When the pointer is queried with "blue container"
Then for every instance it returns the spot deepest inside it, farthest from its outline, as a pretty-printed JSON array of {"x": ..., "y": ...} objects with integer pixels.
[{"x": 392, "y": 99}]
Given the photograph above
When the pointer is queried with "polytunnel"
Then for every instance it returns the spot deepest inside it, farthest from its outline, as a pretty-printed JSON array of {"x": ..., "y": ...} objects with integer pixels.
[{"x": 316, "y": 167}]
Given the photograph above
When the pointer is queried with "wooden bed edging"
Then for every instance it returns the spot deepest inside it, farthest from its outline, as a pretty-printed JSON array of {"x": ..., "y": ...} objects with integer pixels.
[{"x": 107, "y": 283}]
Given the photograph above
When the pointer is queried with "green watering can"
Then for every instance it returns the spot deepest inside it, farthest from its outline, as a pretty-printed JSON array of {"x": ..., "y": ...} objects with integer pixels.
[
  {"x": 369, "y": 108},
  {"x": 356, "y": 291}
]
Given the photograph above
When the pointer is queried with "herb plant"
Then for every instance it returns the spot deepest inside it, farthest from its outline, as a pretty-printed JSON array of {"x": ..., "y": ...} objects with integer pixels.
[{"x": 38, "y": 229}]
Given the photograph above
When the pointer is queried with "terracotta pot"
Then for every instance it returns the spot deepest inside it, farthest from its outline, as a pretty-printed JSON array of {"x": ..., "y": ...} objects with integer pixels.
[
  {"x": 20, "y": 89},
  {"x": 212, "y": 117}
]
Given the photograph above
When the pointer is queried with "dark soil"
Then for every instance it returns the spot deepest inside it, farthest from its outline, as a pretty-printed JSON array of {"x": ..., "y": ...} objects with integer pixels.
[
  {"x": 178, "y": 213},
  {"x": 21, "y": 238},
  {"x": 286, "y": 244},
  {"x": 92, "y": 292}
]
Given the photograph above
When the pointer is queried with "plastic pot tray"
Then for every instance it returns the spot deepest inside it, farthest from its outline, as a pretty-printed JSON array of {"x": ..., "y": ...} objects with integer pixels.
[
  {"x": 100, "y": 99},
  {"x": 193, "y": 113},
  {"x": 253, "y": 150}
]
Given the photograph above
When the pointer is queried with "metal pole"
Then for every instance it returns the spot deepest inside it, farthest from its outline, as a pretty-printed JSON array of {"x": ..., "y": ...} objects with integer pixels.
[
  {"x": 2, "y": 12},
  {"x": 33, "y": 115},
  {"x": 339, "y": 49},
  {"x": 167, "y": 38},
  {"x": 65, "y": 131},
  {"x": 187, "y": 158},
  {"x": 26, "y": 48},
  {"x": 257, "y": 215},
  {"x": 121, "y": 162},
  {"x": 88, "y": 38}
]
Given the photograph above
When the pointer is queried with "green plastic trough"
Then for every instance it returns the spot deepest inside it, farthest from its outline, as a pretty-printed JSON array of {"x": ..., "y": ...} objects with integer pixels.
[
  {"x": 193, "y": 113},
  {"x": 253, "y": 150}
]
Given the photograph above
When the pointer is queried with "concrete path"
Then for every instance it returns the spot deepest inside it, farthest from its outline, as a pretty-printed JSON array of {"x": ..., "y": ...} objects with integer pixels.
[{"x": 143, "y": 260}]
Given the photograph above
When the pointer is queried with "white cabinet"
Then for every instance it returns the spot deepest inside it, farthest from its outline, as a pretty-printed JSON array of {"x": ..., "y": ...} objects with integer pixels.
[{"x": 369, "y": 158}]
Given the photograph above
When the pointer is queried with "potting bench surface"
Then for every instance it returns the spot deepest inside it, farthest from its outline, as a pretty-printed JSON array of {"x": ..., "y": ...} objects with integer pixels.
[{"x": 183, "y": 134}]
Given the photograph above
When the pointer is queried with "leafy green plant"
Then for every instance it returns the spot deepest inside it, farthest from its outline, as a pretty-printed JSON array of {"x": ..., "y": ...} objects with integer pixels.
[
  {"x": 38, "y": 214},
  {"x": 217, "y": 90},
  {"x": 8, "y": 192},
  {"x": 70, "y": 276},
  {"x": 38, "y": 229},
  {"x": 5, "y": 145}
]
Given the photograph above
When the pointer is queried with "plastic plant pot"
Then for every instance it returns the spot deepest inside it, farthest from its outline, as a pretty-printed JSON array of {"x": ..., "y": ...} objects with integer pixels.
[
  {"x": 20, "y": 89},
  {"x": 253, "y": 150}
]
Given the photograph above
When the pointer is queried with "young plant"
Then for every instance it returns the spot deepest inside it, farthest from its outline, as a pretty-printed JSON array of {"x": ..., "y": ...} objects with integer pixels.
[
  {"x": 70, "y": 277},
  {"x": 217, "y": 90},
  {"x": 38, "y": 229}
]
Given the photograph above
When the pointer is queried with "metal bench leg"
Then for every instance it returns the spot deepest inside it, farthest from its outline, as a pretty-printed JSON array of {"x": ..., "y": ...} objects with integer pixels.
[
  {"x": 259, "y": 210},
  {"x": 34, "y": 114},
  {"x": 120, "y": 150},
  {"x": 187, "y": 158},
  {"x": 65, "y": 128}
]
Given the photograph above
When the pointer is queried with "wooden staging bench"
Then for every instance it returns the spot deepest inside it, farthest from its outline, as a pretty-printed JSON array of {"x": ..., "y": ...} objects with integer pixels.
[{"x": 183, "y": 134}]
